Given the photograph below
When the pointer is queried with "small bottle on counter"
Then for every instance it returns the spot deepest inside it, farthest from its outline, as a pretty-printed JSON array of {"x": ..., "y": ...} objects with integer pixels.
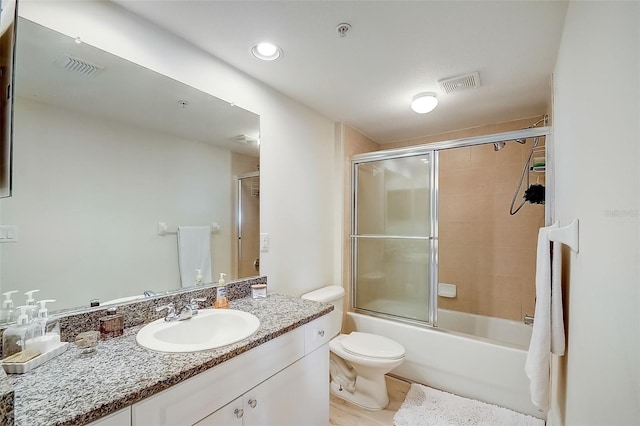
[
  {"x": 111, "y": 325},
  {"x": 259, "y": 291},
  {"x": 221, "y": 294}
]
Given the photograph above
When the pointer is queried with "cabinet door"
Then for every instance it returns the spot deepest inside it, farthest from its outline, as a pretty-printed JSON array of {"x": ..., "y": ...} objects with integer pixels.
[
  {"x": 229, "y": 415},
  {"x": 194, "y": 399},
  {"x": 119, "y": 418},
  {"x": 298, "y": 395}
]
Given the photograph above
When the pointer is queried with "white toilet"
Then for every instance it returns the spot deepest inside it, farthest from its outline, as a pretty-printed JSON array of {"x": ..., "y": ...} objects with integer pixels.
[{"x": 358, "y": 361}]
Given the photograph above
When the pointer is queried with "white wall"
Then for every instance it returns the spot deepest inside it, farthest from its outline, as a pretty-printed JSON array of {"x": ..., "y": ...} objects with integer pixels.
[
  {"x": 597, "y": 158},
  {"x": 88, "y": 195},
  {"x": 297, "y": 144}
]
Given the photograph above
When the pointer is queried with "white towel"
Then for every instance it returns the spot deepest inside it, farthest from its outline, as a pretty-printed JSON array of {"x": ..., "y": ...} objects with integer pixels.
[
  {"x": 194, "y": 252},
  {"x": 557, "y": 311},
  {"x": 548, "y": 326}
]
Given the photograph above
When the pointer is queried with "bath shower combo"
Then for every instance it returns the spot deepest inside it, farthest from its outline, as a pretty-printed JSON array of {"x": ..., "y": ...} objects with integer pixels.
[{"x": 394, "y": 270}]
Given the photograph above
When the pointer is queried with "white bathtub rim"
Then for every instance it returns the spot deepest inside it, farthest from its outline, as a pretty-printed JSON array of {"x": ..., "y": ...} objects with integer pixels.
[{"x": 456, "y": 334}]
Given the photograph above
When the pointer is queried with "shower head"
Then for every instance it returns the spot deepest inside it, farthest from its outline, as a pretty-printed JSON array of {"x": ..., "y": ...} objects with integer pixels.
[{"x": 497, "y": 146}]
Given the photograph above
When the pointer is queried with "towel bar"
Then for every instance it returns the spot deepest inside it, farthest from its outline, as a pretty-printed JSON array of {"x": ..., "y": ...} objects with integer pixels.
[
  {"x": 163, "y": 229},
  {"x": 567, "y": 235}
]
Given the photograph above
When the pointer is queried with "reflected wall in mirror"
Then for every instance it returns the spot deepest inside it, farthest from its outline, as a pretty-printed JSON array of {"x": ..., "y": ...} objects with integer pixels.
[
  {"x": 7, "y": 48},
  {"x": 104, "y": 150}
]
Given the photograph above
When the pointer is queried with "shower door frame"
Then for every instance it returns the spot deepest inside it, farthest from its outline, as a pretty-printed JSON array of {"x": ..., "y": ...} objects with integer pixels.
[
  {"x": 432, "y": 150},
  {"x": 240, "y": 221}
]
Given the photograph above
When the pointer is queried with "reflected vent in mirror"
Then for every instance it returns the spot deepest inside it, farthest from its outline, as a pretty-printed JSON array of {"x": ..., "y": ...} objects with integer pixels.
[{"x": 78, "y": 65}]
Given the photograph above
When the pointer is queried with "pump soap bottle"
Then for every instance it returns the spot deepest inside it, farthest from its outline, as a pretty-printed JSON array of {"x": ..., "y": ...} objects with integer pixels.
[
  {"x": 7, "y": 307},
  {"x": 48, "y": 341},
  {"x": 221, "y": 294},
  {"x": 30, "y": 300},
  {"x": 15, "y": 338}
]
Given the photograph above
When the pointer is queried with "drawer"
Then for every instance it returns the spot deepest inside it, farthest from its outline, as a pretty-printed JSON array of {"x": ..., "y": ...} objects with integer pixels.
[{"x": 317, "y": 333}]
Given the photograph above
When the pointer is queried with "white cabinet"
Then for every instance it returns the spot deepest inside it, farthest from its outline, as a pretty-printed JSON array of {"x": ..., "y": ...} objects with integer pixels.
[
  {"x": 298, "y": 395},
  {"x": 119, "y": 418},
  {"x": 286, "y": 380},
  {"x": 317, "y": 333}
]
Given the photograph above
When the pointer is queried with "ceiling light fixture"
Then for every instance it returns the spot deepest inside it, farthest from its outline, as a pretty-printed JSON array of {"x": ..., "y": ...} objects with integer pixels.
[
  {"x": 266, "y": 51},
  {"x": 424, "y": 102}
]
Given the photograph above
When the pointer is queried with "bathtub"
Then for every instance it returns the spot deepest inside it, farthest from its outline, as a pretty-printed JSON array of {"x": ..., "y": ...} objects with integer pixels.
[{"x": 471, "y": 366}]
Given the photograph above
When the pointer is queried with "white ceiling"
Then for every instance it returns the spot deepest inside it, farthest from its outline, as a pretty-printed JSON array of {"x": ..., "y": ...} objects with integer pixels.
[{"x": 394, "y": 50}]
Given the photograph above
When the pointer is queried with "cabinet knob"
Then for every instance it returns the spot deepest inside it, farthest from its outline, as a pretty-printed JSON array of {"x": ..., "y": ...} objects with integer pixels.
[
  {"x": 321, "y": 333},
  {"x": 239, "y": 412},
  {"x": 253, "y": 403}
]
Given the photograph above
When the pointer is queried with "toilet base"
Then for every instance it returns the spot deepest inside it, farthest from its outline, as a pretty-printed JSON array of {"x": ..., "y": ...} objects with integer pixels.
[{"x": 371, "y": 396}]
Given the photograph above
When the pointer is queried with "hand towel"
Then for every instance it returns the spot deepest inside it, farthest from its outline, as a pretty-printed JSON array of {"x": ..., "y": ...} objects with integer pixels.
[
  {"x": 557, "y": 311},
  {"x": 548, "y": 326},
  {"x": 194, "y": 252}
]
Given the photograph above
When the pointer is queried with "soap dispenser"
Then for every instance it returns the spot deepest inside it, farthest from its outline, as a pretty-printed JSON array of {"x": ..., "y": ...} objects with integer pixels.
[
  {"x": 16, "y": 337},
  {"x": 30, "y": 299},
  {"x": 221, "y": 294},
  {"x": 47, "y": 341},
  {"x": 7, "y": 307},
  {"x": 198, "y": 277}
]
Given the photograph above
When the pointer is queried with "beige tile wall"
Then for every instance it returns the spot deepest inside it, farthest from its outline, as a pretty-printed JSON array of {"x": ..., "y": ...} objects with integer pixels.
[{"x": 488, "y": 253}]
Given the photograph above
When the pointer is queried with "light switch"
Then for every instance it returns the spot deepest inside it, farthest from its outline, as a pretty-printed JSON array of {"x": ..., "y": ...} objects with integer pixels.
[
  {"x": 8, "y": 234},
  {"x": 264, "y": 243}
]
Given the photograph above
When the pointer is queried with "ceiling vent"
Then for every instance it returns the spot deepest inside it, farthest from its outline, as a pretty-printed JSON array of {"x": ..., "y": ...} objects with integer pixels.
[
  {"x": 462, "y": 82},
  {"x": 80, "y": 66}
]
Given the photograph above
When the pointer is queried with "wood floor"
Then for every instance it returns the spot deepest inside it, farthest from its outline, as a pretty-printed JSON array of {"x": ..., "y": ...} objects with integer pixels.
[{"x": 343, "y": 413}]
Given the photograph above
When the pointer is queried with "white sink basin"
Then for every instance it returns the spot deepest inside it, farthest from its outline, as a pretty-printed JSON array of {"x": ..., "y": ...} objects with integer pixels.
[{"x": 209, "y": 329}]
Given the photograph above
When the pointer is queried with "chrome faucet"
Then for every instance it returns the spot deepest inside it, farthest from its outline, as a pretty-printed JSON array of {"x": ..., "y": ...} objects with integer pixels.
[
  {"x": 193, "y": 304},
  {"x": 185, "y": 314}
]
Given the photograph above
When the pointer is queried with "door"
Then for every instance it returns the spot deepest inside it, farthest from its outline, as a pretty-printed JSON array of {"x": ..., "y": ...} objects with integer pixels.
[{"x": 393, "y": 238}]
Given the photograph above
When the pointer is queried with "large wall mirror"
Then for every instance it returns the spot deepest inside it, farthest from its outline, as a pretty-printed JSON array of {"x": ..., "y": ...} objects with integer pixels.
[
  {"x": 105, "y": 150},
  {"x": 7, "y": 49}
]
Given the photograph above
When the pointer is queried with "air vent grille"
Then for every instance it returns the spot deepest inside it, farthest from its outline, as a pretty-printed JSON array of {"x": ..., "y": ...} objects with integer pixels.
[
  {"x": 244, "y": 139},
  {"x": 80, "y": 66},
  {"x": 462, "y": 82}
]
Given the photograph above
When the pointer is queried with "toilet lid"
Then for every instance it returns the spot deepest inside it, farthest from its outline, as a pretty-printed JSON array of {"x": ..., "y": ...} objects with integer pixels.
[{"x": 372, "y": 345}]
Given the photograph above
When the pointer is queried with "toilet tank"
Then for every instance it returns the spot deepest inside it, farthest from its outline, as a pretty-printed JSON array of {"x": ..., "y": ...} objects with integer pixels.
[{"x": 333, "y": 294}]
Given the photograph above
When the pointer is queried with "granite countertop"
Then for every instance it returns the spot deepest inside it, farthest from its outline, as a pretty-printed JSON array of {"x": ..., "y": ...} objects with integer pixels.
[{"x": 77, "y": 389}]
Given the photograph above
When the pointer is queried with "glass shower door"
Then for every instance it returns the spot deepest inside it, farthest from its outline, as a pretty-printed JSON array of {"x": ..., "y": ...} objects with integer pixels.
[{"x": 393, "y": 242}]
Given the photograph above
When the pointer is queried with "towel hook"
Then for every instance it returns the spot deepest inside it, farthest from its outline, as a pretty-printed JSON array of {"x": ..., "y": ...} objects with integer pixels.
[{"x": 567, "y": 235}]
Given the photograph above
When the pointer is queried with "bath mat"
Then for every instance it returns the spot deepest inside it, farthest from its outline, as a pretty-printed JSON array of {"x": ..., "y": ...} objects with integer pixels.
[{"x": 425, "y": 406}]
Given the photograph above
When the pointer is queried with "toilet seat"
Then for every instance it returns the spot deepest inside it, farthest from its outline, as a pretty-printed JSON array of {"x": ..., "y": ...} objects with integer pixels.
[{"x": 372, "y": 346}]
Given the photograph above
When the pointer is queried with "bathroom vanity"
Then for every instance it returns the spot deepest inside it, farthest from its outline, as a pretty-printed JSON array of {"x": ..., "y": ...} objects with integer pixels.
[{"x": 277, "y": 376}]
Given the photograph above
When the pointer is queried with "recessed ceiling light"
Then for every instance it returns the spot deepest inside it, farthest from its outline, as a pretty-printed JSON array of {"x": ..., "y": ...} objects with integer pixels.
[
  {"x": 266, "y": 51},
  {"x": 424, "y": 102}
]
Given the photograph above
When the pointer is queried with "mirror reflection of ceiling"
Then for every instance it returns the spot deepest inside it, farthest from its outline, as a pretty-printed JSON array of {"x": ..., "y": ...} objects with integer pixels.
[
  {"x": 54, "y": 69},
  {"x": 99, "y": 159}
]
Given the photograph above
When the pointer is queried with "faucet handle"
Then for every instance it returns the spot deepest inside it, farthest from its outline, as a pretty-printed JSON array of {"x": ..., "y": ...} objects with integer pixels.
[
  {"x": 194, "y": 304},
  {"x": 171, "y": 311}
]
